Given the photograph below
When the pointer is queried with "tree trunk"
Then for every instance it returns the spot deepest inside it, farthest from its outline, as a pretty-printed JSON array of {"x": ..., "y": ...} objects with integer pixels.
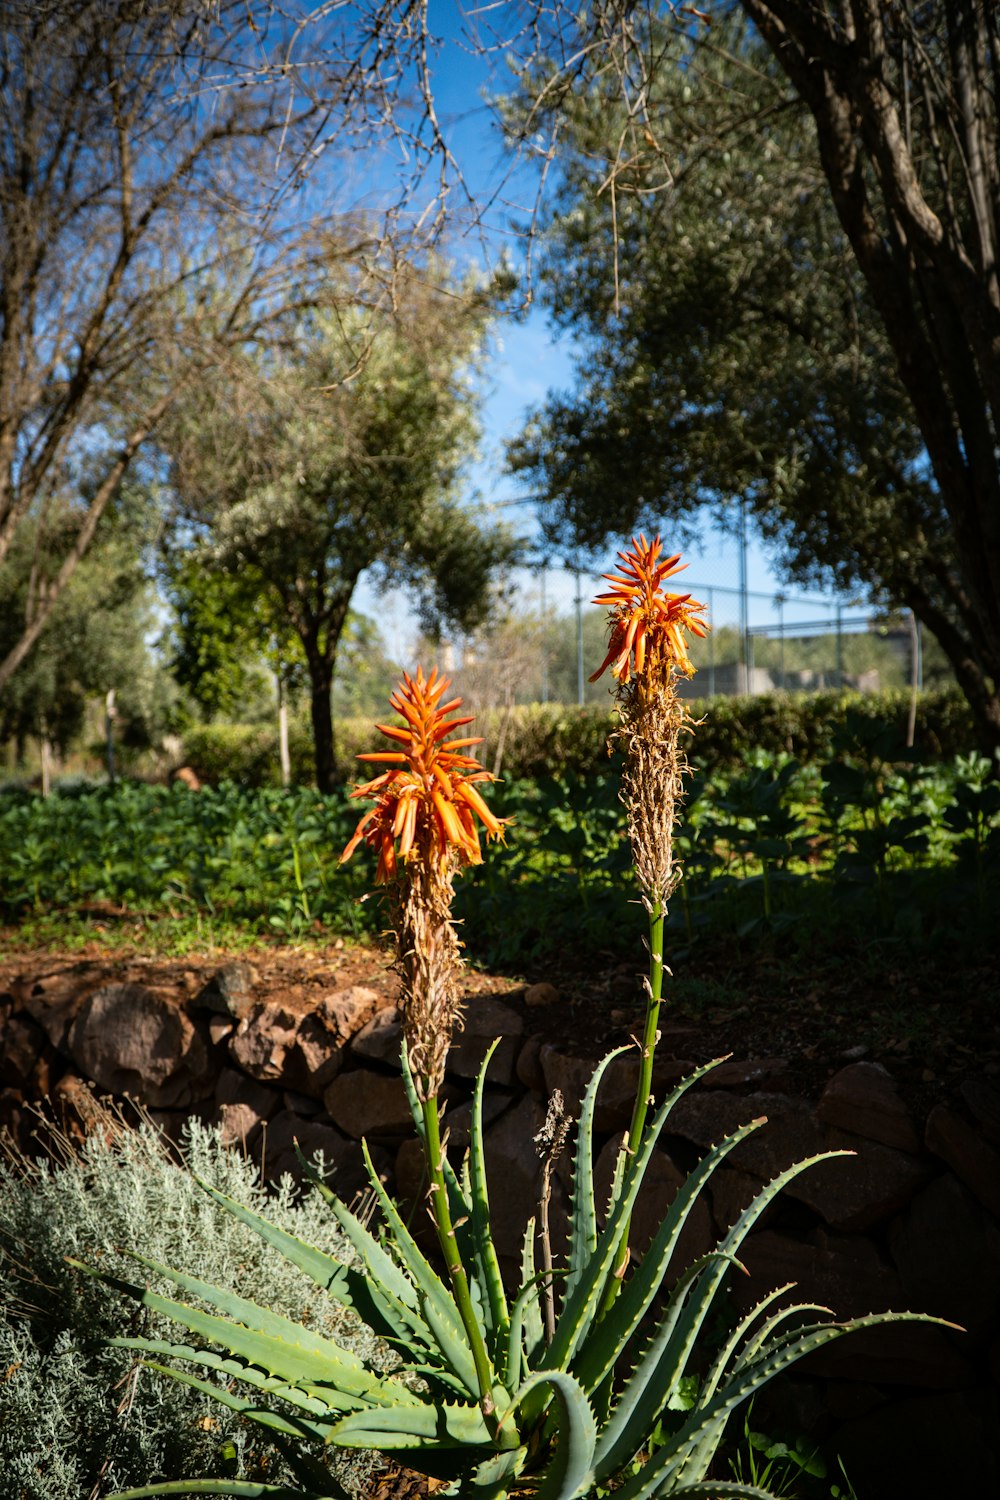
[
  {"x": 321, "y": 711},
  {"x": 283, "y": 755}
]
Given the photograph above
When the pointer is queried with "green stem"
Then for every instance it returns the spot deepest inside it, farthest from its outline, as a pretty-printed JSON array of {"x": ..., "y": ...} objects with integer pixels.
[
  {"x": 453, "y": 1261},
  {"x": 650, "y": 1035}
]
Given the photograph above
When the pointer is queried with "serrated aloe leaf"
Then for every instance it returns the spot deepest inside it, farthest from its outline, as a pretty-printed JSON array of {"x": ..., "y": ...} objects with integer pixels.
[
  {"x": 532, "y": 1337},
  {"x": 242, "y": 1489},
  {"x": 492, "y": 1479},
  {"x": 318, "y": 1401},
  {"x": 583, "y": 1210},
  {"x": 665, "y": 1358},
  {"x": 669, "y": 1463},
  {"x": 438, "y": 1305},
  {"x": 437, "y": 1425},
  {"x": 710, "y": 1489},
  {"x": 570, "y": 1471},
  {"x": 599, "y": 1356},
  {"x": 721, "y": 1361},
  {"x": 296, "y": 1427},
  {"x": 374, "y": 1300},
  {"x": 579, "y": 1309},
  {"x": 413, "y": 1331},
  {"x": 298, "y": 1361},
  {"x": 485, "y": 1252}
]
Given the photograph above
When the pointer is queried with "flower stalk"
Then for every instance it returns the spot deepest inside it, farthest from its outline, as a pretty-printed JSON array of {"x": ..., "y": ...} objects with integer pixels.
[
  {"x": 424, "y": 826},
  {"x": 647, "y": 650}
]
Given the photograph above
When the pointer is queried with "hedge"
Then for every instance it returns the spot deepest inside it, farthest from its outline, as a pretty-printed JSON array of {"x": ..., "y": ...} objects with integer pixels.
[{"x": 548, "y": 739}]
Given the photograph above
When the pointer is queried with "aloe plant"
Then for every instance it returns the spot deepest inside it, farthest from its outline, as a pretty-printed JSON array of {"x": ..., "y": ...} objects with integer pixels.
[{"x": 571, "y": 1418}]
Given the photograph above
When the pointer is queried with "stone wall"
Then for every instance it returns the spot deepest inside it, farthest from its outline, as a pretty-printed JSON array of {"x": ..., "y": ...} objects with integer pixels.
[{"x": 908, "y": 1220}]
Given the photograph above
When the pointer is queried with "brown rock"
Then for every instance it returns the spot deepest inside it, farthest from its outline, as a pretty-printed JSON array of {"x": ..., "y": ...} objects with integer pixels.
[
  {"x": 862, "y": 1098},
  {"x": 220, "y": 1028},
  {"x": 984, "y": 1102},
  {"x": 25, "y": 1052},
  {"x": 737, "y": 1074},
  {"x": 529, "y": 1064},
  {"x": 275, "y": 1043},
  {"x": 851, "y": 1193},
  {"x": 188, "y": 777},
  {"x": 363, "y": 1103},
  {"x": 54, "y": 1001},
  {"x": 483, "y": 1020},
  {"x": 242, "y": 1106},
  {"x": 229, "y": 992},
  {"x": 133, "y": 1040},
  {"x": 844, "y": 1273},
  {"x": 971, "y": 1158},
  {"x": 288, "y": 1138},
  {"x": 541, "y": 994},
  {"x": 381, "y": 1039},
  {"x": 948, "y": 1256}
]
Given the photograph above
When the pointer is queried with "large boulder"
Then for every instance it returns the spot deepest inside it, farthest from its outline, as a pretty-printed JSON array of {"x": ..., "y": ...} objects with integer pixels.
[{"x": 136, "y": 1041}]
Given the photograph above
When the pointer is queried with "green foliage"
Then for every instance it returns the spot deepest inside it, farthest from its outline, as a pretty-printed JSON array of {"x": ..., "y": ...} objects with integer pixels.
[
  {"x": 558, "y": 1423},
  {"x": 96, "y": 637},
  {"x": 76, "y": 1412},
  {"x": 716, "y": 365},
  {"x": 268, "y": 859}
]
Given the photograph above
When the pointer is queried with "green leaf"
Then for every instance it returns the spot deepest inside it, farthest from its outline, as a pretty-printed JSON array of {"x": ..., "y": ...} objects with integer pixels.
[
  {"x": 274, "y": 1344},
  {"x": 242, "y": 1489},
  {"x": 583, "y": 1216},
  {"x": 378, "y": 1299},
  {"x": 570, "y": 1471},
  {"x": 485, "y": 1251},
  {"x": 438, "y": 1305},
  {"x": 429, "y": 1425}
]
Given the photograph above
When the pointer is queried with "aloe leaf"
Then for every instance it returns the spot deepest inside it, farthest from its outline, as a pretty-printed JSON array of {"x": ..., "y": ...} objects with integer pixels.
[
  {"x": 485, "y": 1251},
  {"x": 319, "y": 1401},
  {"x": 296, "y": 1427},
  {"x": 583, "y": 1214},
  {"x": 376, "y": 1298},
  {"x": 724, "y": 1355},
  {"x": 531, "y": 1336},
  {"x": 570, "y": 1471},
  {"x": 438, "y": 1305},
  {"x": 438, "y": 1425},
  {"x": 306, "y": 1357},
  {"x": 710, "y": 1490},
  {"x": 599, "y": 1357},
  {"x": 669, "y": 1463},
  {"x": 665, "y": 1358},
  {"x": 580, "y": 1308},
  {"x": 242, "y": 1489},
  {"x": 492, "y": 1480}
]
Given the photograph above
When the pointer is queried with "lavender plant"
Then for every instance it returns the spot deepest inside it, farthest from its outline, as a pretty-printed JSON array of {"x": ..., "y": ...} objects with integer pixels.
[{"x": 555, "y": 1389}]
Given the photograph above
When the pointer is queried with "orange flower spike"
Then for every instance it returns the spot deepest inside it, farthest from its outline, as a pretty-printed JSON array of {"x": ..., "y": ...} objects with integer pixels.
[
  {"x": 647, "y": 625},
  {"x": 424, "y": 801}
]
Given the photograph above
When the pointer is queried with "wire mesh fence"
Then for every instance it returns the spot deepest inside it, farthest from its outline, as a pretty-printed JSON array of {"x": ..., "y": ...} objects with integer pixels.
[{"x": 759, "y": 641}]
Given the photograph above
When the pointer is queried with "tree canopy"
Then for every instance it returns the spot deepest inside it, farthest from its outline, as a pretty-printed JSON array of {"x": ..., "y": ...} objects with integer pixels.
[
  {"x": 298, "y": 484},
  {"x": 744, "y": 233}
]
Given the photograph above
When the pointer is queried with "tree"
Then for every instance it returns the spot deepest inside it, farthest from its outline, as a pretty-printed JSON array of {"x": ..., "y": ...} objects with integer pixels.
[
  {"x": 152, "y": 154},
  {"x": 98, "y": 627},
  {"x": 793, "y": 330},
  {"x": 304, "y": 486}
]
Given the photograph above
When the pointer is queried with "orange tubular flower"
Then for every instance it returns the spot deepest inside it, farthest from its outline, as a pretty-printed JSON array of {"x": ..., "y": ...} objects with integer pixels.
[
  {"x": 427, "y": 802},
  {"x": 647, "y": 625}
]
